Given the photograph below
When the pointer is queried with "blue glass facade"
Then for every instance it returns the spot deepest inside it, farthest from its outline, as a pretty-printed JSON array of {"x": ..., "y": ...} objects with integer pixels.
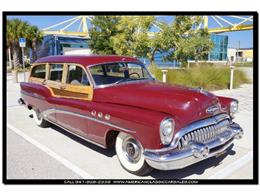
[
  {"x": 53, "y": 45},
  {"x": 219, "y": 52}
]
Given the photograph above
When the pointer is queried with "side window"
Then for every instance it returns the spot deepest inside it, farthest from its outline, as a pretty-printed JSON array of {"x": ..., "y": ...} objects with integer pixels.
[
  {"x": 76, "y": 76},
  {"x": 115, "y": 70},
  {"x": 56, "y": 72},
  {"x": 97, "y": 70},
  {"x": 39, "y": 71},
  {"x": 135, "y": 68}
]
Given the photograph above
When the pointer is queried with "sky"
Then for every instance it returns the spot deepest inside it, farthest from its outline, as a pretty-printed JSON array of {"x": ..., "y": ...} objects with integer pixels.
[{"x": 242, "y": 39}]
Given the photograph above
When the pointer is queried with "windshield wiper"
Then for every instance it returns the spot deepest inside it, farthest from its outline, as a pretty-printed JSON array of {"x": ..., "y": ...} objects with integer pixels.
[{"x": 123, "y": 80}]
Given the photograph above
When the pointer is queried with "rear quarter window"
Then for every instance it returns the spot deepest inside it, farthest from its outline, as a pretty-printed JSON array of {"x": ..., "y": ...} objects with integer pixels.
[{"x": 39, "y": 71}]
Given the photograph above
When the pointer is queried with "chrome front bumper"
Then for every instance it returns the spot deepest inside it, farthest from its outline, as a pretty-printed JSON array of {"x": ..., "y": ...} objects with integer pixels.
[{"x": 194, "y": 152}]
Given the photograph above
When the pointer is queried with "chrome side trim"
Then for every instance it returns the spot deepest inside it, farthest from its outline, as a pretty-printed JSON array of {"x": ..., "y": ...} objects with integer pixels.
[
  {"x": 53, "y": 110},
  {"x": 35, "y": 95},
  {"x": 88, "y": 140}
]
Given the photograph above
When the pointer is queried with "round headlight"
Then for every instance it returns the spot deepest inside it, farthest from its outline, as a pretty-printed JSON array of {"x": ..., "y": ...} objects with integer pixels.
[
  {"x": 166, "y": 130},
  {"x": 233, "y": 108}
]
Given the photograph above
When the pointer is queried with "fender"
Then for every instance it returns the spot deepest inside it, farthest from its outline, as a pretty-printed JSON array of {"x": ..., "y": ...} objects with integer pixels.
[{"x": 225, "y": 103}]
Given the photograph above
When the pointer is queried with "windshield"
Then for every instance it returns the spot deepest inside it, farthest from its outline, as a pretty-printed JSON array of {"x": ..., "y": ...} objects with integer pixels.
[{"x": 115, "y": 73}]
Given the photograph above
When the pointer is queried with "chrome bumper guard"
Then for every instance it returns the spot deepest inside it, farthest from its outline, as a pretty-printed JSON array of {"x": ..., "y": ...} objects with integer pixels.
[
  {"x": 21, "y": 101},
  {"x": 194, "y": 152}
]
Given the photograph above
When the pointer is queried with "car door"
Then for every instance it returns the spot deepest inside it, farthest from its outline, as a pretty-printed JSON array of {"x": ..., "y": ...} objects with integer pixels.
[
  {"x": 39, "y": 94},
  {"x": 73, "y": 106}
]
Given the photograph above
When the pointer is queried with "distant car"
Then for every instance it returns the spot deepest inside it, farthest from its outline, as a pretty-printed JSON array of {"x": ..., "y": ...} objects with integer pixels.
[{"x": 114, "y": 100}]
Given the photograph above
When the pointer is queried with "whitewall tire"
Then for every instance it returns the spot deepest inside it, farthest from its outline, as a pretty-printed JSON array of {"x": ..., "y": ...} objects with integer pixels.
[
  {"x": 38, "y": 118},
  {"x": 130, "y": 154}
]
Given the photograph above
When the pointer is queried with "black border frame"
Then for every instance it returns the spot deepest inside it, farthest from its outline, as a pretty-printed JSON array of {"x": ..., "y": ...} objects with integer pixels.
[{"x": 255, "y": 179}]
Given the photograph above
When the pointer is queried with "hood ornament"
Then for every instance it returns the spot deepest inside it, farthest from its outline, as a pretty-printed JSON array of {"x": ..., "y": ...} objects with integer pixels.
[
  {"x": 202, "y": 91},
  {"x": 212, "y": 109}
]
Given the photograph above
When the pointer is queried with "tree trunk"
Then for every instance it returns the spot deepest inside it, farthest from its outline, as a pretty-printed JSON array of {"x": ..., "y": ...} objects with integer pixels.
[
  {"x": 152, "y": 67},
  {"x": 152, "y": 61},
  {"x": 196, "y": 61},
  {"x": 10, "y": 58},
  {"x": 16, "y": 60},
  {"x": 34, "y": 55},
  {"x": 34, "y": 51},
  {"x": 152, "y": 57}
]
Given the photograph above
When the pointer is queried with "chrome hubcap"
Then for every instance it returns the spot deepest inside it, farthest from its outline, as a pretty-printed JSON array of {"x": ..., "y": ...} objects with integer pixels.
[{"x": 132, "y": 150}]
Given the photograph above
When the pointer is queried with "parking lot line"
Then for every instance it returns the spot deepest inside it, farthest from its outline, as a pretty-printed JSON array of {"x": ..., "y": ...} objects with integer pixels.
[
  {"x": 51, "y": 153},
  {"x": 231, "y": 168}
]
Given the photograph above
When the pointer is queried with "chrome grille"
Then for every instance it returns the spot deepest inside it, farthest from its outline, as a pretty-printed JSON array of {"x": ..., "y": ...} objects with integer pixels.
[{"x": 203, "y": 134}]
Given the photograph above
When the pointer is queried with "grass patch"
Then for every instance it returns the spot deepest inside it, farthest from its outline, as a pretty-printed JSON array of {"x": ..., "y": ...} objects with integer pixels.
[{"x": 207, "y": 76}]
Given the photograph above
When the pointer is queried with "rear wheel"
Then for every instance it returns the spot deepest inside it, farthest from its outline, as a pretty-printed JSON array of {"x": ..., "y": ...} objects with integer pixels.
[
  {"x": 130, "y": 154},
  {"x": 38, "y": 118}
]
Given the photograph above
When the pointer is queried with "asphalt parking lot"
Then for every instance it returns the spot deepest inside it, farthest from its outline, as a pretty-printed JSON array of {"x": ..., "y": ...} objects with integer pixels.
[{"x": 51, "y": 153}]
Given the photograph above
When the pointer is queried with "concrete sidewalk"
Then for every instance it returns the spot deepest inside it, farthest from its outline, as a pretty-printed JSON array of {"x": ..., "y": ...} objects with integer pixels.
[{"x": 244, "y": 94}]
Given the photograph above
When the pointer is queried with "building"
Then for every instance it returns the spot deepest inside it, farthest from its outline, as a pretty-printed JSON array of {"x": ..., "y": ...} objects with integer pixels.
[
  {"x": 245, "y": 55},
  {"x": 219, "y": 52},
  {"x": 231, "y": 54},
  {"x": 240, "y": 55},
  {"x": 63, "y": 45}
]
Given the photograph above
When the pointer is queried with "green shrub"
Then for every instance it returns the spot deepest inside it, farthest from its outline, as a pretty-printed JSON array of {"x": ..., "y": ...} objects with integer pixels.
[
  {"x": 20, "y": 69},
  {"x": 244, "y": 64},
  {"x": 193, "y": 64},
  {"x": 208, "y": 77}
]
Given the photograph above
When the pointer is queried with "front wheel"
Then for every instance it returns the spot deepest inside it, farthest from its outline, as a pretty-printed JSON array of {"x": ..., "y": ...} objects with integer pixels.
[
  {"x": 38, "y": 118},
  {"x": 130, "y": 154}
]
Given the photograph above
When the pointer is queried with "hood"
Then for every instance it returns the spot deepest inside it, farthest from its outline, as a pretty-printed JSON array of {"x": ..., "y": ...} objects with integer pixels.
[{"x": 184, "y": 104}]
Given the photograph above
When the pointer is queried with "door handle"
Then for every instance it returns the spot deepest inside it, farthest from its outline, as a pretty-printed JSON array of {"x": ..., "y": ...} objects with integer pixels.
[
  {"x": 44, "y": 82},
  {"x": 62, "y": 87}
]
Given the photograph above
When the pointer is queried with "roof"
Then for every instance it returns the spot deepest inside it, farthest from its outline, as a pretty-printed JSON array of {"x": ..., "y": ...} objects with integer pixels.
[
  {"x": 249, "y": 48},
  {"x": 86, "y": 60}
]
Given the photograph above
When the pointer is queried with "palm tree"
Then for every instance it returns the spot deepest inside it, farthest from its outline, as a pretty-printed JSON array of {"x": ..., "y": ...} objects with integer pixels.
[
  {"x": 9, "y": 42},
  {"x": 16, "y": 28},
  {"x": 34, "y": 36}
]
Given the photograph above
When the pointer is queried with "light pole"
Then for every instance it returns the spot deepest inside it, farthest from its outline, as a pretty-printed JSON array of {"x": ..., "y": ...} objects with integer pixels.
[
  {"x": 164, "y": 79},
  {"x": 24, "y": 77},
  {"x": 22, "y": 43},
  {"x": 231, "y": 76},
  {"x": 10, "y": 58}
]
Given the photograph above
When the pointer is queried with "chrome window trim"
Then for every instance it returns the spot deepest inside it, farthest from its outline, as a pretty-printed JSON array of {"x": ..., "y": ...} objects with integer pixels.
[
  {"x": 53, "y": 110},
  {"x": 109, "y": 85},
  {"x": 127, "y": 82}
]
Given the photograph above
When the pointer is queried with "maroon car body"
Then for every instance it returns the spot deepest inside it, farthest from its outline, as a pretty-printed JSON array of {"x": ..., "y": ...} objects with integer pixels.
[{"x": 136, "y": 108}]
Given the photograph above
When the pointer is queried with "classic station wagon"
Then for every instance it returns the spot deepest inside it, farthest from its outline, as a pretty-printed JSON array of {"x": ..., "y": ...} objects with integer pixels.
[{"x": 114, "y": 101}]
